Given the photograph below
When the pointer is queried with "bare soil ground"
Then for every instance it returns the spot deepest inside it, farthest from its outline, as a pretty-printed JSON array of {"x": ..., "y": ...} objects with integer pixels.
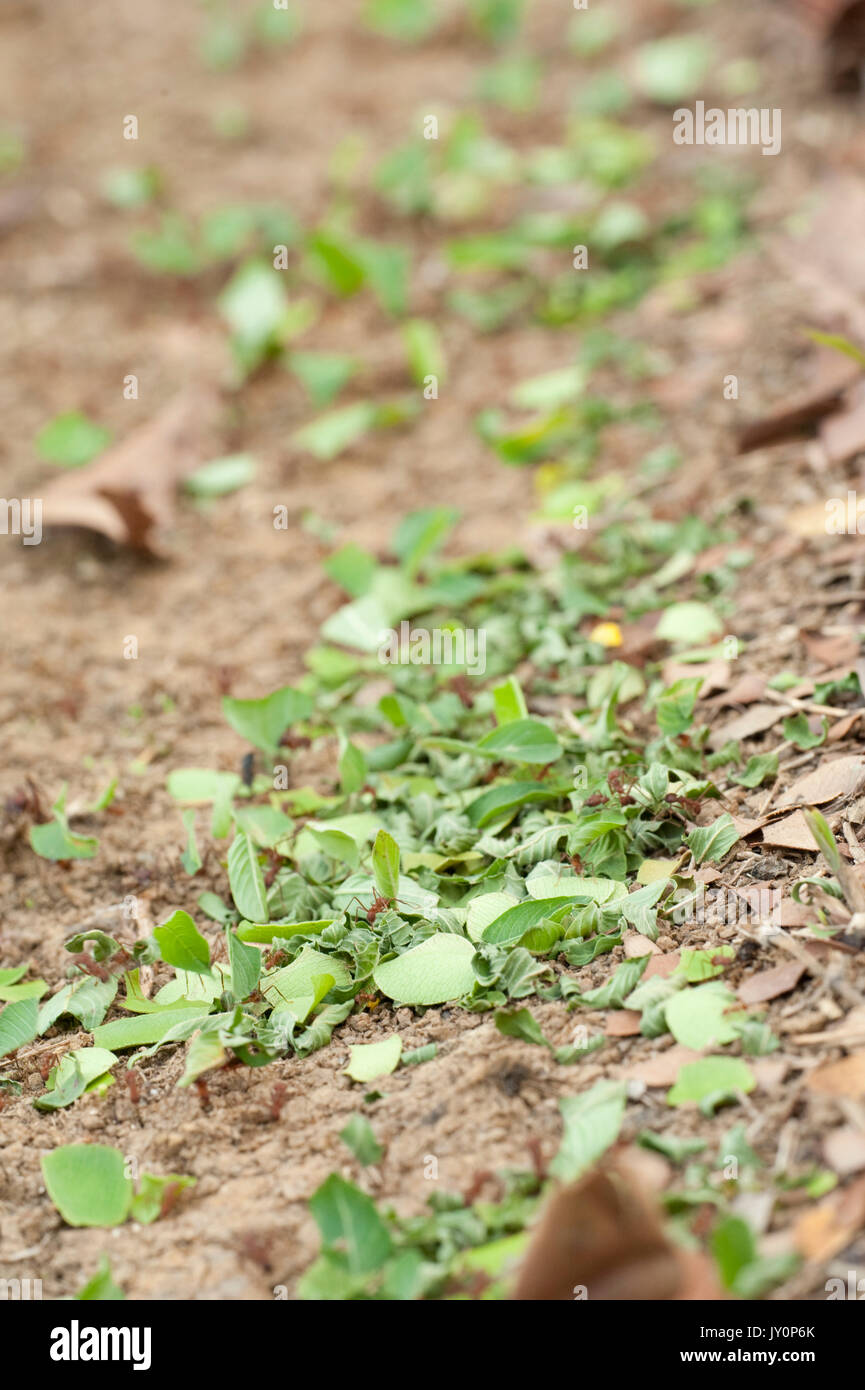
[{"x": 239, "y": 602}]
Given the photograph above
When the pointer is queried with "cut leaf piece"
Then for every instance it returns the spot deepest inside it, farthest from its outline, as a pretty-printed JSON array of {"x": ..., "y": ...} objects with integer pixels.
[
  {"x": 88, "y": 1184},
  {"x": 513, "y": 923},
  {"x": 688, "y": 624},
  {"x": 149, "y": 1028},
  {"x": 182, "y": 945},
  {"x": 711, "y": 1077},
  {"x": 437, "y": 970},
  {"x": 369, "y": 1060},
  {"x": 349, "y": 1222},
  {"x": 592, "y": 1124},
  {"x": 385, "y": 864},
  {"x": 522, "y": 741},
  {"x": 18, "y": 1025},
  {"x": 263, "y": 722},
  {"x": 712, "y": 842},
  {"x": 697, "y": 1017},
  {"x": 246, "y": 879}
]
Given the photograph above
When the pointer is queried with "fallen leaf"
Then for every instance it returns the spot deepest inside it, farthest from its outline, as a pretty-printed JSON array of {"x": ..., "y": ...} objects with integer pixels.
[
  {"x": 762, "y": 903},
  {"x": 746, "y": 826},
  {"x": 843, "y": 777},
  {"x": 844, "y": 1150},
  {"x": 798, "y": 416},
  {"x": 844, "y": 1078},
  {"x": 663, "y": 965},
  {"x": 842, "y": 727},
  {"x": 639, "y": 643},
  {"x": 128, "y": 493},
  {"x": 636, "y": 944},
  {"x": 769, "y": 984},
  {"x": 747, "y": 690},
  {"x": 830, "y": 1226},
  {"x": 790, "y": 833},
  {"x": 792, "y": 914},
  {"x": 754, "y": 721},
  {"x": 715, "y": 675},
  {"x": 831, "y": 649},
  {"x": 603, "y": 1235},
  {"x": 623, "y": 1023},
  {"x": 770, "y": 1071},
  {"x": 663, "y": 1068}
]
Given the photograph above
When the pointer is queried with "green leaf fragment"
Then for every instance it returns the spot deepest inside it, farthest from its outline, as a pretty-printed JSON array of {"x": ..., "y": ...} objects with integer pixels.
[{"x": 370, "y": 1060}]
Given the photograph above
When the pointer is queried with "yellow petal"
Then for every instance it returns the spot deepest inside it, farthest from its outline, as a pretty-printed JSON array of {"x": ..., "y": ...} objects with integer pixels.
[{"x": 607, "y": 634}]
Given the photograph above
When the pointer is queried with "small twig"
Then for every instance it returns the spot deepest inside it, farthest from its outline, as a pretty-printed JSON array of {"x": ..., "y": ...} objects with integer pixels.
[{"x": 807, "y": 705}]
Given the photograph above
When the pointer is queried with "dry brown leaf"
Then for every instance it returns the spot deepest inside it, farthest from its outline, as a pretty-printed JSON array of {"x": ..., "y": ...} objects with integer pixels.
[
  {"x": 842, "y": 727},
  {"x": 623, "y": 1023},
  {"x": 844, "y": 1078},
  {"x": 639, "y": 643},
  {"x": 844, "y": 1150},
  {"x": 603, "y": 1234},
  {"x": 663, "y": 965},
  {"x": 747, "y": 827},
  {"x": 770, "y": 1071},
  {"x": 790, "y": 833},
  {"x": 769, "y": 984},
  {"x": 636, "y": 944},
  {"x": 830, "y": 1226},
  {"x": 842, "y": 777},
  {"x": 715, "y": 675},
  {"x": 795, "y": 417},
  {"x": 831, "y": 649},
  {"x": 761, "y": 903},
  {"x": 754, "y": 721},
  {"x": 128, "y": 494},
  {"x": 662, "y": 1069},
  {"x": 747, "y": 690},
  {"x": 792, "y": 914}
]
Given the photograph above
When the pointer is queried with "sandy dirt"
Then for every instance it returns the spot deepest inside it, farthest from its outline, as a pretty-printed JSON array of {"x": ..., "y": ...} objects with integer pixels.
[{"x": 238, "y": 602}]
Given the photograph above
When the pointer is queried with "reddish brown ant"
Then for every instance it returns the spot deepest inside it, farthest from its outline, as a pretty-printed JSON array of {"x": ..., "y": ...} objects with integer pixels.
[
  {"x": 461, "y": 688},
  {"x": 278, "y": 1097},
  {"x": 690, "y": 805},
  {"x": 91, "y": 966},
  {"x": 273, "y": 868},
  {"x": 169, "y": 1197},
  {"x": 46, "y": 1063},
  {"x": 479, "y": 1179},
  {"x": 537, "y": 1156},
  {"x": 27, "y": 800},
  {"x": 378, "y": 904},
  {"x": 133, "y": 1085},
  {"x": 619, "y": 782},
  {"x": 371, "y": 999},
  {"x": 254, "y": 1247},
  {"x": 203, "y": 1093}
]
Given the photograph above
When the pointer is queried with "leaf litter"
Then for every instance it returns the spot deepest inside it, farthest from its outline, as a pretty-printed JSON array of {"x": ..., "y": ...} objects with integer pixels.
[{"x": 365, "y": 884}]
